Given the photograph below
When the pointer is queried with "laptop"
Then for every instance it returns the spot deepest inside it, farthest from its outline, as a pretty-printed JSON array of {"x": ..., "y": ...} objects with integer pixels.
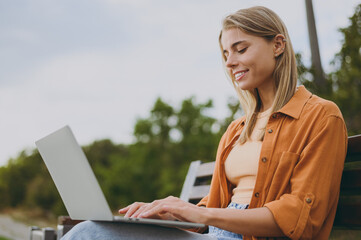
[{"x": 77, "y": 184}]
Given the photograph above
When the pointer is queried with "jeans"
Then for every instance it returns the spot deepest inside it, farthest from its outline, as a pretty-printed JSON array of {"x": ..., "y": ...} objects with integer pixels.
[
  {"x": 94, "y": 230},
  {"x": 221, "y": 234}
]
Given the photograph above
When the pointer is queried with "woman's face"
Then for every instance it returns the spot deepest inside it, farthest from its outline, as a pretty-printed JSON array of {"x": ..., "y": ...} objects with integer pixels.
[{"x": 250, "y": 59}]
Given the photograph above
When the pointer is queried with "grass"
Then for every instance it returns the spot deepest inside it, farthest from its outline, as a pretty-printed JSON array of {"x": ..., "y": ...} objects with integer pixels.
[
  {"x": 4, "y": 238},
  {"x": 345, "y": 234},
  {"x": 34, "y": 217}
]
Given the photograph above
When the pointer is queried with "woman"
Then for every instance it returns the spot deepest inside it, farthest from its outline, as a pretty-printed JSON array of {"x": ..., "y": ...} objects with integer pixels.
[{"x": 278, "y": 168}]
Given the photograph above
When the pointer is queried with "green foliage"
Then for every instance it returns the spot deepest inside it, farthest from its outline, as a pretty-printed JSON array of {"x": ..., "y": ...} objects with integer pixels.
[
  {"x": 25, "y": 182},
  {"x": 169, "y": 139},
  {"x": 343, "y": 86},
  {"x": 346, "y": 80},
  {"x": 4, "y": 238},
  {"x": 14, "y": 179}
]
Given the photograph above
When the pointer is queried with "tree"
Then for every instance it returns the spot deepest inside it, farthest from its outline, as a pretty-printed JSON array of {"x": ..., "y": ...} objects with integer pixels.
[
  {"x": 319, "y": 79},
  {"x": 346, "y": 80},
  {"x": 343, "y": 85},
  {"x": 168, "y": 140}
]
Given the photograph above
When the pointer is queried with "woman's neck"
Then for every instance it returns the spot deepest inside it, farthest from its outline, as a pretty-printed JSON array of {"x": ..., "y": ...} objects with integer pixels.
[{"x": 267, "y": 97}]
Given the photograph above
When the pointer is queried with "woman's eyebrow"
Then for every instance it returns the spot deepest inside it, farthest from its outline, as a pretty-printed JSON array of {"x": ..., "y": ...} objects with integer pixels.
[{"x": 237, "y": 43}]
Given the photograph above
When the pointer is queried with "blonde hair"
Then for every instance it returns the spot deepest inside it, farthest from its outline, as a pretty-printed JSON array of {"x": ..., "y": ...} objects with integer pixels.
[{"x": 263, "y": 22}]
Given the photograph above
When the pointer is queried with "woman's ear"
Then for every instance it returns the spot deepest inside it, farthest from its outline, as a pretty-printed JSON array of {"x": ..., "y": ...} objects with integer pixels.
[{"x": 279, "y": 44}]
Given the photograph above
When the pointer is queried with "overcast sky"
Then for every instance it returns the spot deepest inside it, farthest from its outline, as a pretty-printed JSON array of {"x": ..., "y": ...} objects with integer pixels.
[{"x": 98, "y": 65}]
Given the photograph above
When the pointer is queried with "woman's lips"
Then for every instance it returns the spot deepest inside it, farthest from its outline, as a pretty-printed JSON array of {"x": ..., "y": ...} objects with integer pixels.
[{"x": 239, "y": 75}]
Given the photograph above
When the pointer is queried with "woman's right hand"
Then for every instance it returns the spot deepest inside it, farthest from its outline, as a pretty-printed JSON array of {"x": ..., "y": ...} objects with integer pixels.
[
  {"x": 136, "y": 209},
  {"x": 133, "y": 210},
  {"x": 170, "y": 208}
]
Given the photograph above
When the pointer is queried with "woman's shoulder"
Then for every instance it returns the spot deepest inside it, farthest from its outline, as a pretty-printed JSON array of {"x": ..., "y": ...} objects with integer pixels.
[{"x": 319, "y": 105}]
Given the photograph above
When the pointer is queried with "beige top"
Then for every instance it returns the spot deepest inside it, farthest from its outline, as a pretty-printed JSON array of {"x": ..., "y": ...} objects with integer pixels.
[{"x": 241, "y": 165}]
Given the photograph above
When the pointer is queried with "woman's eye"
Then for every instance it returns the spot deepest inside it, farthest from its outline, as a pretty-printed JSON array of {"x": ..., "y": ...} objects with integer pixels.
[{"x": 242, "y": 50}]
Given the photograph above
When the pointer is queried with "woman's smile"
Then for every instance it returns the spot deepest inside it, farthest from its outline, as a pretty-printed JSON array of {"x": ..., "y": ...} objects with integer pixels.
[{"x": 240, "y": 74}]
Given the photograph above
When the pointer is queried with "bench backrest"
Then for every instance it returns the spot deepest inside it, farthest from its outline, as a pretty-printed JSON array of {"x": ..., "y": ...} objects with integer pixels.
[
  {"x": 349, "y": 206},
  {"x": 197, "y": 184}
]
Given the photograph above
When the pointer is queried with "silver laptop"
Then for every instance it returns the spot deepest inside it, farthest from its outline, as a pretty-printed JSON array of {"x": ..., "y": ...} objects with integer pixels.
[{"x": 76, "y": 182}]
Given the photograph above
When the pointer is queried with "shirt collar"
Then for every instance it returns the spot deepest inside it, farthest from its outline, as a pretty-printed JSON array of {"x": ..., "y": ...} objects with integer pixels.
[{"x": 294, "y": 107}]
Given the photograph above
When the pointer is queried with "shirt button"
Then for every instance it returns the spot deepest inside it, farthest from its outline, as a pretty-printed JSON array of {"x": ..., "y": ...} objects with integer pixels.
[
  {"x": 264, "y": 159},
  {"x": 256, "y": 194},
  {"x": 308, "y": 200},
  {"x": 270, "y": 130}
]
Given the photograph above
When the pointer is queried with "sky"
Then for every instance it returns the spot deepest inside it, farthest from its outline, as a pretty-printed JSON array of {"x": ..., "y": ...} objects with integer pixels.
[{"x": 99, "y": 65}]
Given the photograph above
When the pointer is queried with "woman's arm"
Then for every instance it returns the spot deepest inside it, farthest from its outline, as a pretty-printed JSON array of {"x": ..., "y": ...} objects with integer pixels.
[{"x": 251, "y": 222}]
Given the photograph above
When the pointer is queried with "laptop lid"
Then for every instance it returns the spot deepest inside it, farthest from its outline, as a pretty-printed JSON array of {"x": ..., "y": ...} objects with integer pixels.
[{"x": 73, "y": 176}]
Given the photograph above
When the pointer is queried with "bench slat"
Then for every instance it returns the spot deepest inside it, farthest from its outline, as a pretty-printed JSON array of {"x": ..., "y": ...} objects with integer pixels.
[
  {"x": 353, "y": 157},
  {"x": 348, "y": 212},
  {"x": 198, "y": 192},
  {"x": 354, "y": 144},
  {"x": 351, "y": 166},
  {"x": 351, "y": 179},
  {"x": 206, "y": 169},
  {"x": 190, "y": 180}
]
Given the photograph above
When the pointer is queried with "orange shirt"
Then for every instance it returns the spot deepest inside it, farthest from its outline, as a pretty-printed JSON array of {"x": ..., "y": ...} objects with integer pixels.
[{"x": 299, "y": 169}]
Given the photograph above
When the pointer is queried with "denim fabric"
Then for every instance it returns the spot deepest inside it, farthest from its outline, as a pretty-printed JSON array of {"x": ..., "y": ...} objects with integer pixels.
[
  {"x": 91, "y": 230},
  {"x": 223, "y": 234}
]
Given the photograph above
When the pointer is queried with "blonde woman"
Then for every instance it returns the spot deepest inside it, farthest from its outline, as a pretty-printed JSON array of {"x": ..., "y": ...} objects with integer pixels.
[{"x": 278, "y": 168}]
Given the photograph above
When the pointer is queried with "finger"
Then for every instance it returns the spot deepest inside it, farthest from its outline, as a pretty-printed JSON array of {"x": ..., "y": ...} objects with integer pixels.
[
  {"x": 155, "y": 208},
  {"x": 181, "y": 211},
  {"x": 168, "y": 200},
  {"x": 154, "y": 212},
  {"x": 146, "y": 208},
  {"x": 124, "y": 209},
  {"x": 133, "y": 208},
  {"x": 139, "y": 211}
]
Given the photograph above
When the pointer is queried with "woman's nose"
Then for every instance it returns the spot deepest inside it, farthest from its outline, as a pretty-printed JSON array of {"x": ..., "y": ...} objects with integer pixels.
[{"x": 231, "y": 61}]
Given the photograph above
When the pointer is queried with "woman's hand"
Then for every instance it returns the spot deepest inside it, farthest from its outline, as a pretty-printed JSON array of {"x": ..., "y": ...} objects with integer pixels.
[{"x": 170, "y": 208}]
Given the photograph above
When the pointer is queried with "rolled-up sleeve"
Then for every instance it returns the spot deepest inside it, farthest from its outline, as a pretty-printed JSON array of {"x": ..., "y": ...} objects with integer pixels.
[
  {"x": 203, "y": 202},
  {"x": 315, "y": 182}
]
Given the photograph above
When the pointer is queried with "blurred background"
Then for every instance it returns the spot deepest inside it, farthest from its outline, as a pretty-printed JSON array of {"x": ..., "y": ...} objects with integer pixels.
[{"x": 141, "y": 84}]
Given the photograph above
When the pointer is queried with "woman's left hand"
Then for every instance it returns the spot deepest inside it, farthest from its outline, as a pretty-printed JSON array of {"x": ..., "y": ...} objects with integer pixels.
[{"x": 170, "y": 208}]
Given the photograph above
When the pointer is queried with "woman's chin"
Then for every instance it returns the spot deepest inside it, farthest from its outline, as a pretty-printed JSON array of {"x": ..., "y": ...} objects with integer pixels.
[{"x": 244, "y": 87}]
